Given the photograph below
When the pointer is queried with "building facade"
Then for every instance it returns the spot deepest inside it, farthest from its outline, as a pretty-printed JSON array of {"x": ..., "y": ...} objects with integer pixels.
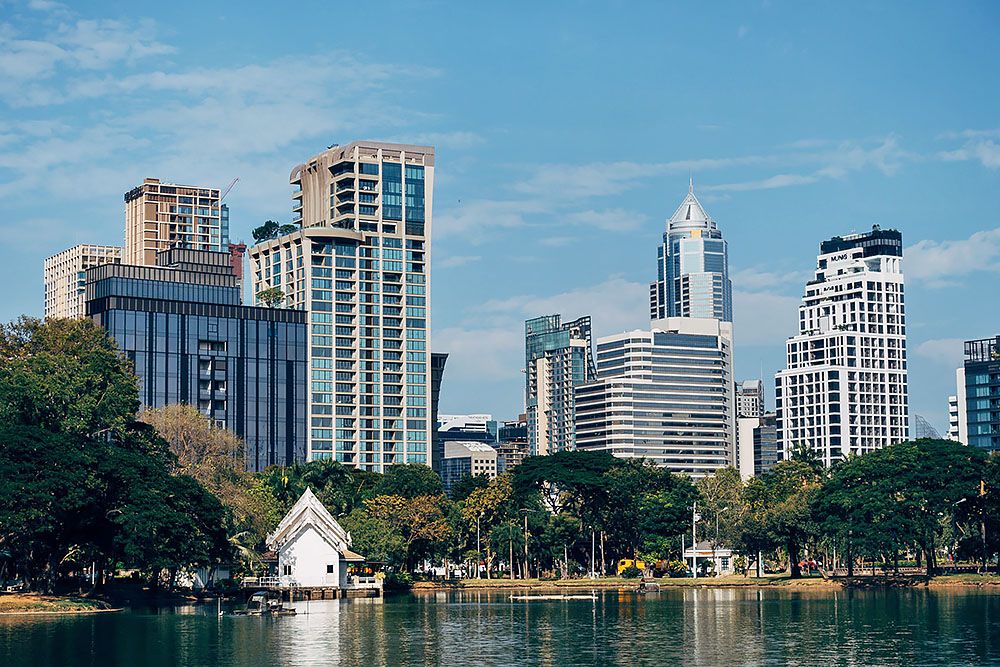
[
  {"x": 438, "y": 362},
  {"x": 512, "y": 442},
  {"x": 692, "y": 267},
  {"x": 750, "y": 398},
  {"x": 360, "y": 268},
  {"x": 558, "y": 358},
  {"x": 757, "y": 445},
  {"x": 467, "y": 459},
  {"x": 159, "y": 216},
  {"x": 978, "y": 400},
  {"x": 953, "y": 418},
  {"x": 844, "y": 389},
  {"x": 190, "y": 341},
  {"x": 65, "y": 277},
  {"x": 665, "y": 395},
  {"x": 476, "y": 428}
]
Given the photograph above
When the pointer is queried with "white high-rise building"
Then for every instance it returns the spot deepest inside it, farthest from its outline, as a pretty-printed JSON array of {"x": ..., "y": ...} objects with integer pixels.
[
  {"x": 360, "y": 265},
  {"x": 65, "y": 277},
  {"x": 844, "y": 390},
  {"x": 953, "y": 418},
  {"x": 666, "y": 395}
]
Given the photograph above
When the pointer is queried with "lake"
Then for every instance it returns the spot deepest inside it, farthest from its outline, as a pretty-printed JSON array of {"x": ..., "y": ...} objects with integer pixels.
[{"x": 696, "y": 627}]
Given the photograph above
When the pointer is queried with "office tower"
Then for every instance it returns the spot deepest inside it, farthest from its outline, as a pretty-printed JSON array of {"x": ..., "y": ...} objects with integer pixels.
[
  {"x": 190, "y": 341},
  {"x": 466, "y": 459},
  {"x": 692, "y": 267},
  {"x": 360, "y": 267},
  {"x": 750, "y": 398},
  {"x": 65, "y": 277},
  {"x": 757, "y": 445},
  {"x": 953, "y": 417},
  {"x": 978, "y": 404},
  {"x": 438, "y": 361},
  {"x": 844, "y": 389},
  {"x": 558, "y": 358},
  {"x": 159, "y": 216},
  {"x": 512, "y": 442},
  {"x": 666, "y": 395}
]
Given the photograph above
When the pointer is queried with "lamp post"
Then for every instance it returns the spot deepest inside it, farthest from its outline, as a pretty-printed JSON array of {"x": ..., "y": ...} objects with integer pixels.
[
  {"x": 527, "y": 567},
  {"x": 479, "y": 551}
]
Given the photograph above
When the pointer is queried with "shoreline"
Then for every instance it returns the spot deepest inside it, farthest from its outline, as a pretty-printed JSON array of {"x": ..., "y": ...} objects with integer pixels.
[
  {"x": 28, "y": 604},
  {"x": 779, "y": 582}
]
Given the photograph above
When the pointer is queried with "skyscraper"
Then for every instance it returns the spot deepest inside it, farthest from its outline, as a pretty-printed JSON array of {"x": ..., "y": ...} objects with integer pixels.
[
  {"x": 65, "y": 277},
  {"x": 190, "y": 341},
  {"x": 159, "y": 216},
  {"x": 977, "y": 409},
  {"x": 844, "y": 390},
  {"x": 360, "y": 266},
  {"x": 558, "y": 357},
  {"x": 665, "y": 395},
  {"x": 750, "y": 398},
  {"x": 692, "y": 267}
]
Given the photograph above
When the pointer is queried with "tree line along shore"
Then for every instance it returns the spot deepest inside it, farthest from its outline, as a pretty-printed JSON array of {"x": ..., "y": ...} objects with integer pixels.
[{"x": 91, "y": 493}]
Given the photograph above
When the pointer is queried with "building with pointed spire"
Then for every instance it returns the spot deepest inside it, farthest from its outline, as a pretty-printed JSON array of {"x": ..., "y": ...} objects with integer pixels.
[{"x": 692, "y": 277}]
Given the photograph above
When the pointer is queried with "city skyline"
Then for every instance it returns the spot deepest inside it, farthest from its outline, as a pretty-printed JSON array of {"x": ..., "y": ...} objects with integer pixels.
[{"x": 568, "y": 224}]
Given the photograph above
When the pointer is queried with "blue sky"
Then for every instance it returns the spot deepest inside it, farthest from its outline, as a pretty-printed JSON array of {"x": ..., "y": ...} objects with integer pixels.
[{"x": 566, "y": 133}]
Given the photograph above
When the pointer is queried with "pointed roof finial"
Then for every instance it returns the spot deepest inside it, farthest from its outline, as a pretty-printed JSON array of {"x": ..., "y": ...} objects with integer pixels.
[{"x": 690, "y": 183}]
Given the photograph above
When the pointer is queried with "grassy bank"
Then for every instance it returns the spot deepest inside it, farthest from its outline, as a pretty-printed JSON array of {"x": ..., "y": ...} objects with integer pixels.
[{"x": 26, "y": 603}]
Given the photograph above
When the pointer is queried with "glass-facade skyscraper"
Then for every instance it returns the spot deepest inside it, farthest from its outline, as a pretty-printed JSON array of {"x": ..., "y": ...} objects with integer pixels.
[
  {"x": 360, "y": 267},
  {"x": 977, "y": 418},
  {"x": 182, "y": 325},
  {"x": 692, "y": 267},
  {"x": 558, "y": 358}
]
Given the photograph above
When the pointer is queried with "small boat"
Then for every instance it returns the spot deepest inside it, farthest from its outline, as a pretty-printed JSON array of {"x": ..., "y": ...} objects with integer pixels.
[
  {"x": 526, "y": 598},
  {"x": 260, "y": 604}
]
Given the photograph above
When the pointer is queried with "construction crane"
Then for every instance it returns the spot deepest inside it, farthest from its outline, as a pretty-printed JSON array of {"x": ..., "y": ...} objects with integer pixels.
[{"x": 228, "y": 188}]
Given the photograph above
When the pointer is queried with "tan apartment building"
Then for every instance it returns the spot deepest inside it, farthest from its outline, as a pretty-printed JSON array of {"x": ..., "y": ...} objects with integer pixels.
[
  {"x": 65, "y": 277},
  {"x": 360, "y": 265},
  {"x": 159, "y": 216}
]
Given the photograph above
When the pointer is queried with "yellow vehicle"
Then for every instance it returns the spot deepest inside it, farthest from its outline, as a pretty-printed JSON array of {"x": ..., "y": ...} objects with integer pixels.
[{"x": 626, "y": 563}]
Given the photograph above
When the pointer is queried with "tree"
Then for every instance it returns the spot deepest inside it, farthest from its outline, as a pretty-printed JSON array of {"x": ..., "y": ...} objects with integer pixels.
[
  {"x": 904, "y": 493},
  {"x": 567, "y": 478},
  {"x": 64, "y": 375},
  {"x": 720, "y": 496},
  {"x": 48, "y": 500},
  {"x": 409, "y": 480},
  {"x": 461, "y": 489},
  {"x": 420, "y": 522},
  {"x": 215, "y": 457},
  {"x": 272, "y": 297},
  {"x": 788, "y": 491},
  {"x": 272, "y": 230}
]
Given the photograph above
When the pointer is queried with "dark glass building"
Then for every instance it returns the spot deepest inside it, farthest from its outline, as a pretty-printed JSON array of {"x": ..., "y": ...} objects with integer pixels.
[
  {"x": 979, "y": 394},
  {"x": 182, "y": 325}
]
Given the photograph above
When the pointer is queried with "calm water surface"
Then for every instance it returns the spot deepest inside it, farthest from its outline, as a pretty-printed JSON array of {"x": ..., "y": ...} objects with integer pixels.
[{"x": 693, "y": 627}]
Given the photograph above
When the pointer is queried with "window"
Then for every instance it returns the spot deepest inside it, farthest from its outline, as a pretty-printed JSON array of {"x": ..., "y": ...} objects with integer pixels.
[
  {"x": 286, "y": 570},
  {"x": 329, "y": 568}
]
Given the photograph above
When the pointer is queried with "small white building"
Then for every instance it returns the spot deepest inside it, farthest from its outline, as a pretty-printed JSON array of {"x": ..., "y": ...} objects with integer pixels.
[
  {"x": 721, "y": 556},
  {"x": 313, "y": 549}
]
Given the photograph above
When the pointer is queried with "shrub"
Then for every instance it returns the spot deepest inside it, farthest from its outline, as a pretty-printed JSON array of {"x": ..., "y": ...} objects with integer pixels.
[{"x": 631, "y": 572}]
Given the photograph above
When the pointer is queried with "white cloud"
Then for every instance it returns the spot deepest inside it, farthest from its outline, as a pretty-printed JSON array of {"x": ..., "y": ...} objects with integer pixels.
[
  {"x": 456, "y": 260},
  {"x": 612, "y": 220},
  {"x": 947, "y": 352},
  {"x": 478, "y": 218},
  {"x": 986, "y": 151},
  {"x": 777, "y": 181},
  {"x": 940, "y": 263},
  {"x": 742, "y": 31},
  {"x": 557, "y": 241}
]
